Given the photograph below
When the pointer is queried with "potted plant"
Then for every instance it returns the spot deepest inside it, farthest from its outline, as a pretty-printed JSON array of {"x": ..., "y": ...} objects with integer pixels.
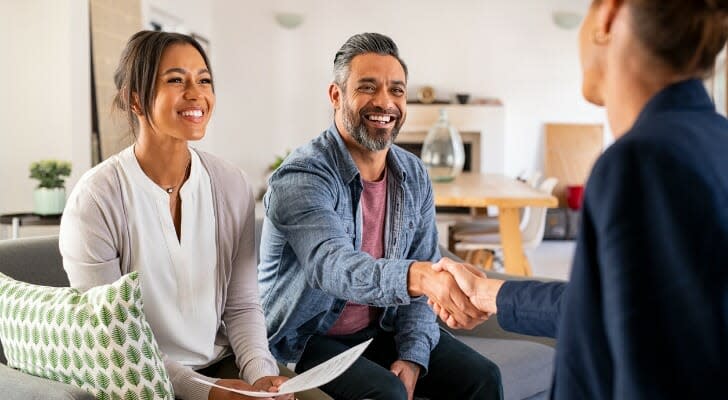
[
  {"x": 49, "y": 197},
  {"x": 272, "y": 167}
]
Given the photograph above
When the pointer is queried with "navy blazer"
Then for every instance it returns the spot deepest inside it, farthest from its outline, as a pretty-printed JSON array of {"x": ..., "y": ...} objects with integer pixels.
[{"x": 645, "y": 315}]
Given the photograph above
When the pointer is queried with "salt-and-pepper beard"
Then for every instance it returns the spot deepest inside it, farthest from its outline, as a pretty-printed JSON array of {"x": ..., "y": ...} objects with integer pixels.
[{"x": 354, "y": 124}]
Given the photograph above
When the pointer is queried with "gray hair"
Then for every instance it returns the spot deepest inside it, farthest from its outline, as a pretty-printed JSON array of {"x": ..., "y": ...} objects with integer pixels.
[{"x": 361, "y": 44}]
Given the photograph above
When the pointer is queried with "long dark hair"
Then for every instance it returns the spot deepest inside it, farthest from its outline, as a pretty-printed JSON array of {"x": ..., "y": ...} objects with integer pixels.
[{"x": 136, "y": 73}]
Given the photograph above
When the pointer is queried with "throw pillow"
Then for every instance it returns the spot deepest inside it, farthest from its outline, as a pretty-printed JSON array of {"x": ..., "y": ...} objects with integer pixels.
[{"x": 98, "y": 340}]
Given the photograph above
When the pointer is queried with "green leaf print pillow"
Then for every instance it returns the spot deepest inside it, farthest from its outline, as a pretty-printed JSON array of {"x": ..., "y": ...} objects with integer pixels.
[{"x": 98, "y": 340}]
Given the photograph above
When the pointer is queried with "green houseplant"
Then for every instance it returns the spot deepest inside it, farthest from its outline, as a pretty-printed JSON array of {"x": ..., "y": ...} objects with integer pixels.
[
  {"x": 49, "y": 197},
  {"x": 272, "y": 167}
]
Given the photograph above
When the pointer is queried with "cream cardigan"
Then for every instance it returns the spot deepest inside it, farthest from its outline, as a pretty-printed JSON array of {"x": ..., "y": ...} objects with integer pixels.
[{"x": 95, "y": 245}]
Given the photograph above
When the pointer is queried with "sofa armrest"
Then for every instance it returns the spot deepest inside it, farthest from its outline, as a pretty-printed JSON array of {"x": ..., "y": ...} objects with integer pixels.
[{"x": 18, "y": 385}]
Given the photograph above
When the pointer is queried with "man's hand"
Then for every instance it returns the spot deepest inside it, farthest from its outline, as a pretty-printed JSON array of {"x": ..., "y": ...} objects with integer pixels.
[
  {"x": 222, "y": 394},
  {"x": 441, "y": 288},
  {"x": 407, "y": 372},
  {"x": 481, "y": 291},
  {"x": 271, "y": 384}
]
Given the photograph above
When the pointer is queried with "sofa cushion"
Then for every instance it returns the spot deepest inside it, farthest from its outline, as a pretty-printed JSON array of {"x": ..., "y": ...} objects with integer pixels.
[
  {"x": 34, "y": 260},
  {"x": 18, "y": 385},
  {"x": 526, "y": 367},
  {"x": 98, "y": 340}
]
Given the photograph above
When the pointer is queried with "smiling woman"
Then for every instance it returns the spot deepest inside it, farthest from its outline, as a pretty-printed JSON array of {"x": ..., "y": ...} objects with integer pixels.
[{"x": 164, "y": 209}]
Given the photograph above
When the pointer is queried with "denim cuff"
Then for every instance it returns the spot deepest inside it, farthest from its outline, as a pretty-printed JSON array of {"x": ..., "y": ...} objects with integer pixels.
[
  {"x": 394, "y": 281},
  {"x": 418, "y": 352}
]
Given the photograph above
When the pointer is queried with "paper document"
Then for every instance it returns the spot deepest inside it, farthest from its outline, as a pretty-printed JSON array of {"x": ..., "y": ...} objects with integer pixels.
[{"x": 313, "y": 378}]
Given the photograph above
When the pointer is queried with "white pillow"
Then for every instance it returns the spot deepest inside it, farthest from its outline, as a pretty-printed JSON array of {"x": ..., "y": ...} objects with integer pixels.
[{"x": 98, "y": 340}]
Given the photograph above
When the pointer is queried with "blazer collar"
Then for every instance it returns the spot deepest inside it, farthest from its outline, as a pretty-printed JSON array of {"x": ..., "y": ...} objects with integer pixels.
[{"x": 684, "y": 95}]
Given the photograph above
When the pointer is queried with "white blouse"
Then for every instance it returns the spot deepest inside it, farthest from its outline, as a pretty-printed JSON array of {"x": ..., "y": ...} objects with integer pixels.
[{"x": 177, "y": 276}]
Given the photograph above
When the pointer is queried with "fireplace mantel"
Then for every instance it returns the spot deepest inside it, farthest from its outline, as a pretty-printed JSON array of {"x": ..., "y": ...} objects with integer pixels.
[{"x": 481, "y": 125}]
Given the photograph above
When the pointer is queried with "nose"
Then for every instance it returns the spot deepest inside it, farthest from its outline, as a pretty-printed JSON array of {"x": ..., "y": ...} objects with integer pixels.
[
  {"x": 192, "y": 91},
  {"x": 383, "y": 99}
]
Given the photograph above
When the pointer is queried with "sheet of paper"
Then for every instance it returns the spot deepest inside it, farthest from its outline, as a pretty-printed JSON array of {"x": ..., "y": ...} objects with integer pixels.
[{"x": 313, "y": 378}]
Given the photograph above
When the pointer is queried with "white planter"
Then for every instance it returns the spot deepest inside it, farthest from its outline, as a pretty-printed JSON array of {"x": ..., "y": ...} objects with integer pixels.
[{"x": 49, "y": 201}]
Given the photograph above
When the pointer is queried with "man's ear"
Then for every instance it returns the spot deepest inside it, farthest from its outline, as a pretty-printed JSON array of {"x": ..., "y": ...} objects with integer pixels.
[{"x": 335, "y": 95}]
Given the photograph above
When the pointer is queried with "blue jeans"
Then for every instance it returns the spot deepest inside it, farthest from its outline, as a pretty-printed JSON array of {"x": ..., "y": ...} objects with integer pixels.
[{"x": 455, "y": 372}]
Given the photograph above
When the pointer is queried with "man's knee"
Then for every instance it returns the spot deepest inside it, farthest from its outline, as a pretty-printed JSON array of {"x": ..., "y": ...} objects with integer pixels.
[
  {"x": 487, "y": 383},
  {"x": 389, "y": 388}
]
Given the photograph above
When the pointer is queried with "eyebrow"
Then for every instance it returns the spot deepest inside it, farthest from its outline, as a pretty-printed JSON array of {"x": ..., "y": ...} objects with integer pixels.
[
  {"x": 373, "y": 80},
  {"x": 183, "y": 71}
]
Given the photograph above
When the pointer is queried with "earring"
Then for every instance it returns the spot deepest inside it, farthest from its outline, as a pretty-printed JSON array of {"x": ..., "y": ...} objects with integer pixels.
[{"x": 600, "y": 37}]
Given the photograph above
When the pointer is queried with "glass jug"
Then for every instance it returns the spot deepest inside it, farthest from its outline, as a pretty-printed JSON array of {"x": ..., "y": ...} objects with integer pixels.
[{"x": 442, "y": 152}]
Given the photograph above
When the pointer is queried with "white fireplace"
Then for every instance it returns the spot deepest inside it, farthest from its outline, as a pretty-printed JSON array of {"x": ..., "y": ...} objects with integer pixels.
[{"x": 482, "y": 128}]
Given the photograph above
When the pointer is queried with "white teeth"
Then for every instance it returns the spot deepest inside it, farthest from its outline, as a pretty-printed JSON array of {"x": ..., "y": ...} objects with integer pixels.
[
  {"x": 192, "y": 113},
  {"x": 380, "y": 118}
]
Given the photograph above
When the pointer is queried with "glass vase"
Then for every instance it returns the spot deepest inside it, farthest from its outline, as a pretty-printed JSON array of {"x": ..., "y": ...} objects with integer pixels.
[{"x": 442, "y": 152}]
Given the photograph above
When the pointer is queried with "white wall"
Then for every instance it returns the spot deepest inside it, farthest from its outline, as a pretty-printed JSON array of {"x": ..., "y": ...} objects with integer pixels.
[
  {"x": 45, "y": 107},
  {"x": 272, "y": 82},
  {"x": 192, "y": 15}
]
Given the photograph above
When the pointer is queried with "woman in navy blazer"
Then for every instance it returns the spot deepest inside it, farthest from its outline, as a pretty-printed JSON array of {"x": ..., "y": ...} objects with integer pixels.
[{"x": 645, "y": 315}]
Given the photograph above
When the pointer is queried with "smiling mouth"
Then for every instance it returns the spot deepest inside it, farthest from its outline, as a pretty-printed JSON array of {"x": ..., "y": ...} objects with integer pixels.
[
  {"x": 192, "y": 113},
  {"x": 380, "y": 119}
]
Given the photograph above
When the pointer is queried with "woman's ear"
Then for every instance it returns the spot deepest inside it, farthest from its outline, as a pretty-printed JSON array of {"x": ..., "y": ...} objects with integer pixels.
[
  {"x": 606, "y": 14},
  {"x": 135, "y": 105}
]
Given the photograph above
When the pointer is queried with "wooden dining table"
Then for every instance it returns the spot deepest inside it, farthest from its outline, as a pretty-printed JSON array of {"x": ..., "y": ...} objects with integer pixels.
[{"x": 482, "y": 190}]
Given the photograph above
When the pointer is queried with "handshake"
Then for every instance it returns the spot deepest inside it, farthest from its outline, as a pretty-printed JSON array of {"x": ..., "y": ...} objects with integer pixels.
[{"x": 460, "y": 294}]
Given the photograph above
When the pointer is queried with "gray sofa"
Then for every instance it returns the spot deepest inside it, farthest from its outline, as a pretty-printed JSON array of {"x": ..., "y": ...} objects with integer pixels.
[
  {"x": 34, "y": 260},
  {"x": 526, "y": 363}
]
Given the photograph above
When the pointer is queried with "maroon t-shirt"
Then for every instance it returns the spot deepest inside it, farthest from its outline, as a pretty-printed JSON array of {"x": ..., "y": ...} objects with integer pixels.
[{"x": 356, "y": 317}]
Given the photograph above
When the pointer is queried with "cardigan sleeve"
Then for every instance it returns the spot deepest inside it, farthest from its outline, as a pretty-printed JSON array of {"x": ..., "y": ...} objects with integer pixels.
[
  {"x": 86, "y": 242},
  {"x": 243, "y": 314}
]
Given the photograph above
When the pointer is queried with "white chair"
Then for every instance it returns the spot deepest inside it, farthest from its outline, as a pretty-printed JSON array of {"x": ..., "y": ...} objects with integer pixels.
[{"x": 533, "y": 224}]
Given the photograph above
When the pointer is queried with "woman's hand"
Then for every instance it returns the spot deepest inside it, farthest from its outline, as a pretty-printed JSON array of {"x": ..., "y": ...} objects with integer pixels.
[
  {"x": 271, "y": 384},
  {"x": 222, "y": 394}
]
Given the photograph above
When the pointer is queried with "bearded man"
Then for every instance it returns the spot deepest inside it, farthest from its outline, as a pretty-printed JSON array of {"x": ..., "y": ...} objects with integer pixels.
[{"x": 348, "y": 243}]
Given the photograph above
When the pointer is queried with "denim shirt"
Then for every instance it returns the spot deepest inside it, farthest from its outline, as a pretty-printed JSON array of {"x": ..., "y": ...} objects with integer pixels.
[{"x": 311, "y": 261}]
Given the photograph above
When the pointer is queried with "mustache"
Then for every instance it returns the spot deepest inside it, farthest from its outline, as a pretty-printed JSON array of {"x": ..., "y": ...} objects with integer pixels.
[{"x": 380, "y": 110}]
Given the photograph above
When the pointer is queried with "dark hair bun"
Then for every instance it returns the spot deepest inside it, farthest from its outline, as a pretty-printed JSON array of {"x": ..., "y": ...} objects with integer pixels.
[{"x": 717, "y": 5}]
